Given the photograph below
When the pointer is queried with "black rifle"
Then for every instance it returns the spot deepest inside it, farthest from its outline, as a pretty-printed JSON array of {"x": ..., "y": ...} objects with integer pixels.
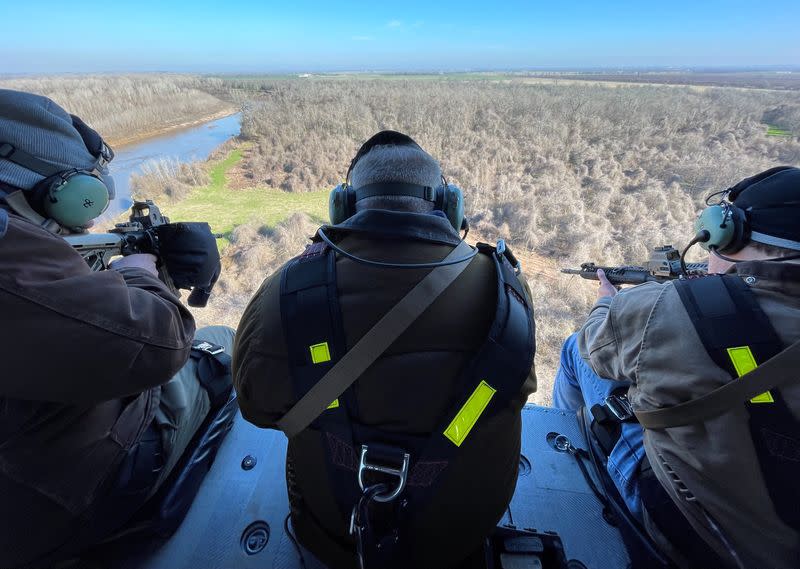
[
  {"x": 664, "y": 265},
  {"x": 137, "y": 235}
]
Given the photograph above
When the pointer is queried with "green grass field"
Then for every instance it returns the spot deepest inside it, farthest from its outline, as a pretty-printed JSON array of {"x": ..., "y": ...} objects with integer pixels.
[{"x": 227, "y": 208}]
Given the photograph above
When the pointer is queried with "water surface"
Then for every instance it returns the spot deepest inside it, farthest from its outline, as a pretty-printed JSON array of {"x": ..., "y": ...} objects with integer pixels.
[{"x": 186, "y": 145}]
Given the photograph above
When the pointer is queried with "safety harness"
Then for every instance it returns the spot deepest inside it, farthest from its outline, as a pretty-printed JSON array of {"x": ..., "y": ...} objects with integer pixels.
[
  {"x": 380, "y": 479},
  {"x": 739, "y": 338}
]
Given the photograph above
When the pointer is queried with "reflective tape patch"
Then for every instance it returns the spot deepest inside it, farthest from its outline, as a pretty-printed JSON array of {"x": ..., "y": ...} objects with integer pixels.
[
  {"x": 334, "y": 405},
  {"x": 320, "y": 353},
  {"x": 744, "y": 362},
  {"x": 469, "y": 414}
]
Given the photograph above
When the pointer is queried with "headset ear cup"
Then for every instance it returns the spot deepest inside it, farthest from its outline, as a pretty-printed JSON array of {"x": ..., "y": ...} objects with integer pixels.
[
  {"x": 727, "y": 228},
  {"x": 76, "y": 201},
  {"x": 741, "y": 231},
  {"x": 450, "y": 201},
  {"x": 341, "y": 204}
]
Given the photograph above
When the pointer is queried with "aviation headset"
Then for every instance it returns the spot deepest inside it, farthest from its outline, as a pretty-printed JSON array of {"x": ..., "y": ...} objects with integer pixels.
[
  {"x": 70, "y": 197},
  {"x": 445, "y": 197},
  {"x": 725, "y": 228}
]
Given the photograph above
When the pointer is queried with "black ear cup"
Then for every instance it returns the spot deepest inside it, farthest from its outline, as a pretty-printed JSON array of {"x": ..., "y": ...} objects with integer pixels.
[
  {"x": 450, "y": 201},
  {"x": 741, "y": 231},
  {"x": 341, "y": 203}
]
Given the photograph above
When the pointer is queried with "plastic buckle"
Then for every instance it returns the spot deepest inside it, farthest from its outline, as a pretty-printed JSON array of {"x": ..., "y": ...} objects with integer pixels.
[
  {"x": 401, "y": 473},
  {"x": 207, "y": 347},
  {"x": 619, "y": 406},
  {"x": 504, "y": 251}
]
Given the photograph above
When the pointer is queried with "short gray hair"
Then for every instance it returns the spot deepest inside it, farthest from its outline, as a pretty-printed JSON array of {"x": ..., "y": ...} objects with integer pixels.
[{"x": 396, "y": 163}]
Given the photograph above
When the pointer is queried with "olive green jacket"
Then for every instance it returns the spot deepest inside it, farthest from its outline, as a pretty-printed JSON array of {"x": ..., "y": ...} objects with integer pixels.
[
  {"x": 408, "y": 389},
  {"x": 644, "y": 335}
]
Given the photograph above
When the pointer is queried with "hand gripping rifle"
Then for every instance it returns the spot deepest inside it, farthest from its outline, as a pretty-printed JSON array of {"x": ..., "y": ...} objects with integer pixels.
[
  {"x": 664, "y": 265},
  {"x": 137, "y": 235}
]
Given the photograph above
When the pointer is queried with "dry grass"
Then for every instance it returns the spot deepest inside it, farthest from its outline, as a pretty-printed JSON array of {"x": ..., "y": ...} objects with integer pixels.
[{"x": 566, "y": 173}]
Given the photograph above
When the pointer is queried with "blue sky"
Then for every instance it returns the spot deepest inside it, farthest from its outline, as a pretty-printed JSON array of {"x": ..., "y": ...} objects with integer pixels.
[{"x": 42, "y": 36}]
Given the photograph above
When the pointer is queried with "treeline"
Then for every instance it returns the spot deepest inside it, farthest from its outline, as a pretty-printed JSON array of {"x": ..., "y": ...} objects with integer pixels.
[
  {"x": 566, "y": 170},
  {"x": 125, "y": 107}
]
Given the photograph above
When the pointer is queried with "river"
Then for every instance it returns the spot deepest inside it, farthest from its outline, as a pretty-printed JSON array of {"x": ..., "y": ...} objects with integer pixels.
[{"x": 185, "y": 145}]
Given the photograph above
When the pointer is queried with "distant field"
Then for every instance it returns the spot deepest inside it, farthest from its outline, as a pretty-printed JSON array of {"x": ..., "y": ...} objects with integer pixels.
[
  {"x": 745, "y": 79},
  {"x": 752, "y": 80}
]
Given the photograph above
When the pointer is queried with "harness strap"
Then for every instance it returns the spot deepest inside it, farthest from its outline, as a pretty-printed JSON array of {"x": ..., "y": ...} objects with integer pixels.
[
  {"x": 770, "y": 375},
  {"x": 352, "y": 364},
  {"x": 738, "y": 336},
  {"x": 18, "y": 202},
  {"x": 213, "y": 370}
]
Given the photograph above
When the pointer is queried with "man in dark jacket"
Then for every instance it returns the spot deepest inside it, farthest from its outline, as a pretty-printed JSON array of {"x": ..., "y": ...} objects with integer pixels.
[
  {"x": 90, "y": 422},
  {"x": 421, "y": 392}
]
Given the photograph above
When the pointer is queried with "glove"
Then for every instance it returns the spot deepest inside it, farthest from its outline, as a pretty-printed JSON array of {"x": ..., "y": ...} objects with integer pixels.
[{"x": 189, "y": 252}]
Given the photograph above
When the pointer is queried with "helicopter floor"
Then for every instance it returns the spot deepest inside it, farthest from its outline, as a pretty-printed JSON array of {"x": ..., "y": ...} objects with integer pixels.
[{"x": 237, "y": 519}]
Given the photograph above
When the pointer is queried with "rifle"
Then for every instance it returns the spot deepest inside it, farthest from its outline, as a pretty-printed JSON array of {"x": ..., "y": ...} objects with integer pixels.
[
  {"x": 664, "y": 265},
  {"x": 137, "y": 235}
]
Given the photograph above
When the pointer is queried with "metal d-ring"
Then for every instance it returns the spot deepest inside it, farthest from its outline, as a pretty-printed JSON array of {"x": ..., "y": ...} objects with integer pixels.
[{"x": 401, "y": 473}]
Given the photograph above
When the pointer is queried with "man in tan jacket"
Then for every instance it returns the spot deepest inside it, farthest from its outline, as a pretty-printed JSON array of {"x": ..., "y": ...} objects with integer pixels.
[
  {"x": 98, "y": 394},
  {"x": 732, "y": 476}
]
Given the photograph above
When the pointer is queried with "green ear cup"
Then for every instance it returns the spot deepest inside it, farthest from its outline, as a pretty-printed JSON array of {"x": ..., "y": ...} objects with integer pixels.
[
  {"x": 712, "y": 220},
  {"x": 77, "y": 201}
]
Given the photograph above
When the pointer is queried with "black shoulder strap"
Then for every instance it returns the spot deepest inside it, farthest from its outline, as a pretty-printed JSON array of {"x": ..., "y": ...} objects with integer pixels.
[{"x": 739, "y": 337}]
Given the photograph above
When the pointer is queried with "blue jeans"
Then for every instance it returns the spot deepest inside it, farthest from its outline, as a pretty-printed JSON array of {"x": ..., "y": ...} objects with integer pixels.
[{"x": 577, "y": 385}]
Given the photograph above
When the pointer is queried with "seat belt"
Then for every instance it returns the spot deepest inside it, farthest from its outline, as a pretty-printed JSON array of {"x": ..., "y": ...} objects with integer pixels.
[
  {"x": 772, "y": 374},
  {"x": 374, "y": 343}
]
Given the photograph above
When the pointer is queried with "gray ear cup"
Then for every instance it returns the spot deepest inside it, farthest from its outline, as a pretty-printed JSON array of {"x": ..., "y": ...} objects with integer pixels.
[
  {"x": 450, "y": 201},
  {"x": 726, "y": 225},
  {"x": 341, "y": 203}
]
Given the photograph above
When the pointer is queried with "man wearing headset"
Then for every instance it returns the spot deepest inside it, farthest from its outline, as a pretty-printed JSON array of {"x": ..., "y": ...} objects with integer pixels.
[
  {"x": 411, "y": 459},
  {"x": 90, "y": 422},
  {"x": 731, "y": 470}
]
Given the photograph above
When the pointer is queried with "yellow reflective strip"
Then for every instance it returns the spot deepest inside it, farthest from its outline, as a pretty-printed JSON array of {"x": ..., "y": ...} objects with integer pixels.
[
  {"x": 744, "y": 362},
  {"x": 469, "y": 414},
  {"x": 334, "y": 405},
  {"x": 320, "y": 353}
]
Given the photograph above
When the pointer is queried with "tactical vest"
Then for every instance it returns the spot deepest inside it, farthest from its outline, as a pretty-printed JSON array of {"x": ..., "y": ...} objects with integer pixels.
[{"x": 403, "y": 469}]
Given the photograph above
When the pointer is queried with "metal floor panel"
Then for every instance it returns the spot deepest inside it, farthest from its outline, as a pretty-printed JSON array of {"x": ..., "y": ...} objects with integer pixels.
[{"x": 551, "y": 495}]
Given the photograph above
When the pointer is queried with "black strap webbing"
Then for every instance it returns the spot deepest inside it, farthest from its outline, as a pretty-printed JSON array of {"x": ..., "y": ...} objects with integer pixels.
[
  {"x": 727, "y": 317},
  {"x": 396, "y": 189},
  {"x": 213, "y": 370}
]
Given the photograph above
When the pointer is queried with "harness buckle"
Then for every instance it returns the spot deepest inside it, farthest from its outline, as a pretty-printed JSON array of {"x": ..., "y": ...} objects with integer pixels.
[
  {"x": 401, "y": 473},
  {"x": 207, "y": 347},
  {"x": 619, "y": 406}
]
